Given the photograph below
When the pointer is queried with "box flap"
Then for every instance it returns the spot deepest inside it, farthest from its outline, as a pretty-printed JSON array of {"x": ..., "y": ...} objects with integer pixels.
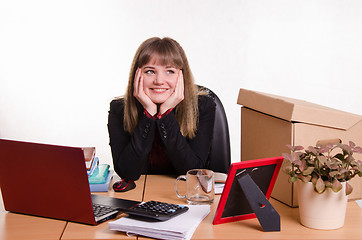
[{"x": 295, "y": 110}]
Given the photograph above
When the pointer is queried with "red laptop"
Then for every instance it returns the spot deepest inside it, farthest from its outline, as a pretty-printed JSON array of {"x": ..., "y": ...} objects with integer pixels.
[{"x": 51, "y": 181}]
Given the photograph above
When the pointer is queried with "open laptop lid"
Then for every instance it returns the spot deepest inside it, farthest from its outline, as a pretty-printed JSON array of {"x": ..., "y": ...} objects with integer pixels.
[{"x": 46, "y": 180}]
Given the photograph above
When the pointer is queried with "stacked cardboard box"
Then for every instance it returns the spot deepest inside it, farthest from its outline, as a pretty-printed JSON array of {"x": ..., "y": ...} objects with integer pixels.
[{"x": 270, "y": 122}]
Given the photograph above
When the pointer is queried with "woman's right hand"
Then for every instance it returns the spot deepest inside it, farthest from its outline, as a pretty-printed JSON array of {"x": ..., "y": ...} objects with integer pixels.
[{"x": 141, "y": 96}]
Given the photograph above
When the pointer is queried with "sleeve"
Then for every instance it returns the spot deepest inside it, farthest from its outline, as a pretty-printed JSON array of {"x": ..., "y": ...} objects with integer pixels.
[
  {"x": 186, "y": 154},
  {"x": 129, "y": 153}
]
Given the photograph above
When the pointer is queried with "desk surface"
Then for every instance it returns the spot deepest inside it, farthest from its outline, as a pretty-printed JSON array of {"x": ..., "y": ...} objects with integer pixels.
[
  {"x": 17, "y": 226},
  {"x": 162, "y": 188}
]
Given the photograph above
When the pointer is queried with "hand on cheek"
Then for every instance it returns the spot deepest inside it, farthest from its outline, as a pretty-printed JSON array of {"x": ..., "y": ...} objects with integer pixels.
[
  {"x": 176, "y": 97},
  {"x": 140, "y": 95}
]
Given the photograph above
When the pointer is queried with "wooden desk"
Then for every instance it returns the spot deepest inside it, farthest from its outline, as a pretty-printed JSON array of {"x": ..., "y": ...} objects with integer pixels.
[
  {"x": 162, "y": 188},
  {"x": 19, "y": 227},
  {"x": 81, "y": 231}
]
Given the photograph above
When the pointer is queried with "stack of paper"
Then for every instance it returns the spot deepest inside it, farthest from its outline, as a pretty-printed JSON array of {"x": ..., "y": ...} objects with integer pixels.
[
  {"x": 99, "y": 175},
  {"x": 219, "y": 187},
  {"x": 359, "y": 202},
  {"x": 220, "y": 179},
  {"x": 182, "y": 226},
  {"x": 95, "y": 163},
  {"x": 102, "y": 187},
  {"x": 89, "y": 156},
  {"x": 101, "y": 179}
]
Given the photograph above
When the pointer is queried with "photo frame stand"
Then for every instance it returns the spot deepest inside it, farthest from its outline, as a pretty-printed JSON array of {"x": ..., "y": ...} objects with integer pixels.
[{"x": 268, "y": 217}]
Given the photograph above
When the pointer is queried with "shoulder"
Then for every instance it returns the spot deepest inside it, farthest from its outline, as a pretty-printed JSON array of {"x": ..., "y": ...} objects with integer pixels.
[{"x": 117, "y": 105}]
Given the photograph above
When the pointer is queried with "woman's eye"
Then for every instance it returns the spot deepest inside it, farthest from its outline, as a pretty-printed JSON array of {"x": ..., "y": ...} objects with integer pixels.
[
  {"x": 149, "y": 72},
  {"x": 170, "y": 71}
]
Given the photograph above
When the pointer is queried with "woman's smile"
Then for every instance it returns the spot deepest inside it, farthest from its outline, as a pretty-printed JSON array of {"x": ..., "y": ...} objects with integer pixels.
[{"x": 159, "y": 90}]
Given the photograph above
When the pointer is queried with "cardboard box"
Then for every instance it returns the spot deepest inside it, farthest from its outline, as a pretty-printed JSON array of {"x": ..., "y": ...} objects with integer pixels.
[{"x": 270, "y": 122}]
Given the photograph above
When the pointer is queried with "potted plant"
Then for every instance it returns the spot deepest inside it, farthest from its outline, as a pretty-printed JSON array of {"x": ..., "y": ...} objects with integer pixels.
[{"x": 323, "y": 172}]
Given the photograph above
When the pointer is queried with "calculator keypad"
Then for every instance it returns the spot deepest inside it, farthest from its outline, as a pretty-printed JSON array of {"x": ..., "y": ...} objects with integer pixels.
[
  {"x": 159, "y": 207},
  {"x": 157, "y": 210}
]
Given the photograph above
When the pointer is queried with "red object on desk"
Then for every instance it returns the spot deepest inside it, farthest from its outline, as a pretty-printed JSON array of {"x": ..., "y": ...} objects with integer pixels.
[{"x": 233, "y": 205}]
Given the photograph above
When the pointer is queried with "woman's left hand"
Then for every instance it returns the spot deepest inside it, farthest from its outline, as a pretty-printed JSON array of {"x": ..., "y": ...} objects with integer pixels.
[{"x": 176, "y": 97}]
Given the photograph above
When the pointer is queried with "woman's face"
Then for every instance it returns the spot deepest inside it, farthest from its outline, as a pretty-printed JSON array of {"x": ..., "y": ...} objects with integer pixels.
[{"x": 159, "y": 81}]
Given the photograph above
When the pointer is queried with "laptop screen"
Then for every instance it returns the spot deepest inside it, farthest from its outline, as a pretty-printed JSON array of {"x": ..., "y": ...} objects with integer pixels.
[{"x": 45, "y": 180}]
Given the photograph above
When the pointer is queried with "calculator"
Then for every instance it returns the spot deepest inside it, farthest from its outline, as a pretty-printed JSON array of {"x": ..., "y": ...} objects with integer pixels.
[{"x": 155, "y": 210}]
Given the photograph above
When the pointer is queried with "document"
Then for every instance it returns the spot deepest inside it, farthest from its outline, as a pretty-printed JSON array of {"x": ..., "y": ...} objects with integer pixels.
[
  {"x": 182, "y": 226},
  {"x": 359, "y": 202},
  {"x": 219, "y": 187}
]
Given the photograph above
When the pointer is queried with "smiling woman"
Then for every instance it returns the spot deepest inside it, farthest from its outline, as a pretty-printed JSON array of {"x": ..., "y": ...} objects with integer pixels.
[
  {"x": 164, "y": 122},
  {"x": 159, "y": 84},
  {"x": 160, "y": 81}
]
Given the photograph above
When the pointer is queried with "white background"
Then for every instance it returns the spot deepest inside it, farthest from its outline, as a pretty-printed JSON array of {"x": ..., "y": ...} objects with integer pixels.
[{"x": 62, "y": 62}]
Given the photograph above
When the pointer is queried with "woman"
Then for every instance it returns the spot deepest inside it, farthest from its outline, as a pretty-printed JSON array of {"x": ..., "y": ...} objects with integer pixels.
[{"x": 164, "y": 123}]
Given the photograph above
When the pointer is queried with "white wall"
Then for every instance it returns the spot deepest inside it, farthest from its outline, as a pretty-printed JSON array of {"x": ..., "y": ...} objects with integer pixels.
[{"x": 61, "y": 62}]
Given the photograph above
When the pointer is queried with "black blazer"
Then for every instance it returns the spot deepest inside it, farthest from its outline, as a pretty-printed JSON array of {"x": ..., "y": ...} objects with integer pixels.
[{"x": 130, "y": 152}]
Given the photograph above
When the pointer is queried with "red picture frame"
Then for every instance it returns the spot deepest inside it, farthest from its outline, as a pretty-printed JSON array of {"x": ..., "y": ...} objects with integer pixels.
[{"x": 233, "y": 205}]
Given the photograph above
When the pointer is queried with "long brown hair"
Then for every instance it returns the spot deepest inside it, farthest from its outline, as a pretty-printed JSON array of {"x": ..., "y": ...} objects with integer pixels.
[{"x": 165, "y": 51}]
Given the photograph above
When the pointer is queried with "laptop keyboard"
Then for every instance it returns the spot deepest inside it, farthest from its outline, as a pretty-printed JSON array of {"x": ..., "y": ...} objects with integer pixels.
[{"x": 101, "y": 211}]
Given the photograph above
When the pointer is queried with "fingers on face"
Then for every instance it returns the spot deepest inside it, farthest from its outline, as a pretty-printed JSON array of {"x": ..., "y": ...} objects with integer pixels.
[
  {"x": 138, "y": 80},
  {"x": 181, "y": 81},
  {"x": 180, "y": 75},
  {"x": 136, "y": 83}
]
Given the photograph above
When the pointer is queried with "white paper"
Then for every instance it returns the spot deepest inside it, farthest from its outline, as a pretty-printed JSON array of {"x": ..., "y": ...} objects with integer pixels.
[
  {"x": 219, "y": 187},
  {"x": 359, "y": 202},
  {"x": 179, "y": 227}
]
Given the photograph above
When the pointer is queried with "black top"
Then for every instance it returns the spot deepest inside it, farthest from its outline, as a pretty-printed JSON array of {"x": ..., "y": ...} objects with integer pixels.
[{"x": 131, "y": 152}]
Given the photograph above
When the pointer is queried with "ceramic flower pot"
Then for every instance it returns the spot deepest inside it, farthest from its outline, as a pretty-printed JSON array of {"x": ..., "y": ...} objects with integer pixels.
[{"x": 321, "y": 211}]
